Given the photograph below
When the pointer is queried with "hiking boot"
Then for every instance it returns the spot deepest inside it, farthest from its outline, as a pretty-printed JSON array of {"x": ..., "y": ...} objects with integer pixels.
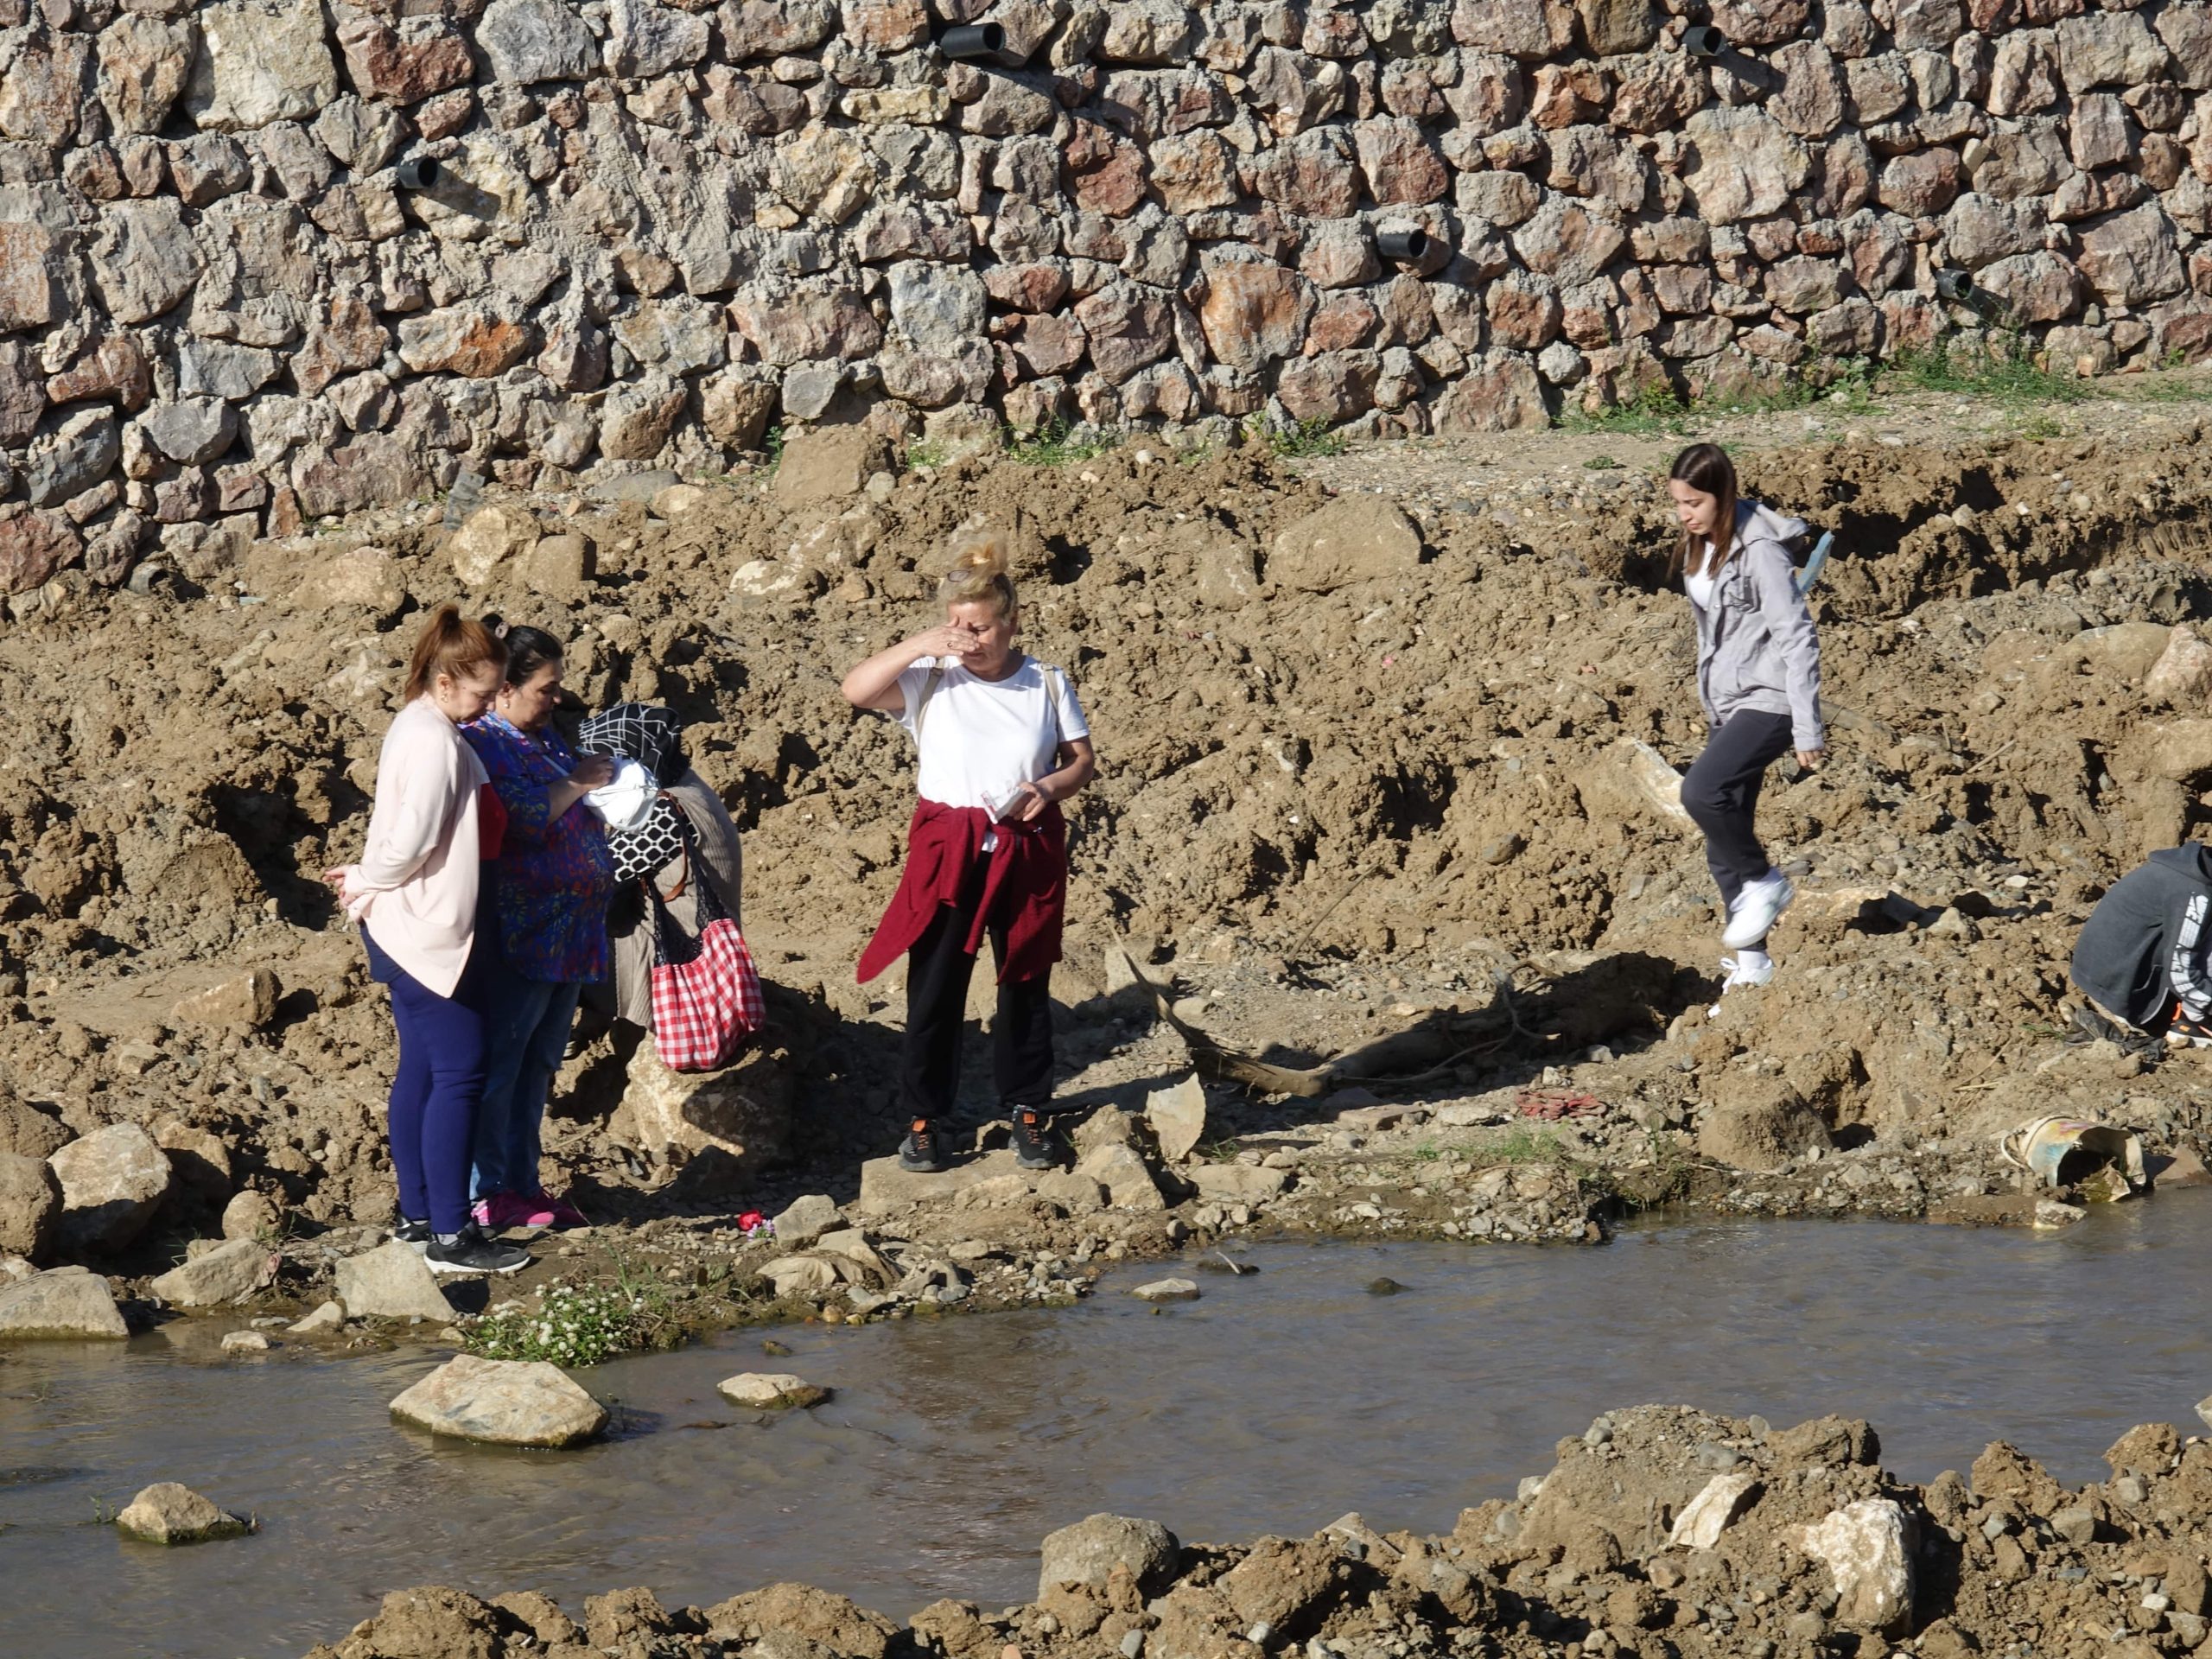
[
  {"x": 469, "y": 1251},
  {"x": 1738, "y": 974},
  {"x": 2187, "y": 1033},
  {"x": 416, "y": 1235},
  {"x": 1032, "y": 1137},
  {"x": 917, "y": 1153},
  {"x": 1757, "y": 909}
]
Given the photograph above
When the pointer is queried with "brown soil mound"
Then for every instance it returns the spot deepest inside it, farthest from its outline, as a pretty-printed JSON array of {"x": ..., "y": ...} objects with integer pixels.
[{"x": 1403, "y": 759}]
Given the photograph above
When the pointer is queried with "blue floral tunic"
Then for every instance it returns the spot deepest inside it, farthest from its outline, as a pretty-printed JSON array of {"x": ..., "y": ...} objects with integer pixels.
[{"x": 551, "y": 881}]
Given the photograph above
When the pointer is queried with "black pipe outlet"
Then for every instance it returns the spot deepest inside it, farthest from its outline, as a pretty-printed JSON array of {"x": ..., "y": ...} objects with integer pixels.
[
  {"x": 1955, "y": 286},
  {"x": 419, "y": 173},
  {"x": 1406, "y": 246},
  {"x": 1704, "y": 41},
  {"x": 974, "y": 42}
]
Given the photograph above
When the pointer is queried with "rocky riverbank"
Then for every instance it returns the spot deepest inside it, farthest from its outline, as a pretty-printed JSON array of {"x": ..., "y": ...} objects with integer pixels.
[
  {"x": 1661, "y": 1532},
  {"x": 1384, "y": 814}
]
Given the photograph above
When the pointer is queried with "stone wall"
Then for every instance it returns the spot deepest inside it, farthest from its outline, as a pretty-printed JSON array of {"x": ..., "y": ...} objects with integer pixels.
[{"x": 228, "y": 293}]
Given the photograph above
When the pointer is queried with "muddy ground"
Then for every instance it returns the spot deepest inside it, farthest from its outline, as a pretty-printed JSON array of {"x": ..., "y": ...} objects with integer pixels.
[
  {"x": 1662, "y": 1532},
  {"x": 1336, "y": 800}
]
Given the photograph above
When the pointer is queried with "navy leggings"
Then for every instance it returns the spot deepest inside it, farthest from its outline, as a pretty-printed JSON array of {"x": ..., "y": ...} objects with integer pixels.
[
  {"x": 1720, "y": 791},
  {"x": 434, "y": 1091}
]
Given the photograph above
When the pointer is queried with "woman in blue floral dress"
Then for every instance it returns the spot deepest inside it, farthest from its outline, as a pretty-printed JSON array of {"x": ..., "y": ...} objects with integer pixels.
[{"x": 547, "y": 910}]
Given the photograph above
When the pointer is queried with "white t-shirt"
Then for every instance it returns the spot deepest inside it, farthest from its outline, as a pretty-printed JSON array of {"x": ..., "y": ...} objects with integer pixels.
[
  {"x": 982, "y": 737},
  {"x": 1701, "y": 585}
]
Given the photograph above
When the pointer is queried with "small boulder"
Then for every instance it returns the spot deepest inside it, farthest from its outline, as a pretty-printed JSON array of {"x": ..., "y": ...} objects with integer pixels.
[
  {"x": 1868, "y": 1548},
  {"x": 1237, "y": 1183},
  {"x": 1088, "y": 1552},
  {"x": 250, "y": 1000},
  {"x": 250, "y": 1215},
  {"x": 390, "y": 1282},
  {"x": 13, "y": 1269},
  {"x": 489, "y": 538},
  {"x": 1128, "y": 1183},
  {"x": 171, "y": 1514},
  {"x": 769, "y": 1390},
  {"x": 328, "y": 1317},
  {"x": 805, "y": 1219},
  {"x": 231, "y": 1272},
  {"x": 678, "y": 499},
  {"x": 66, "y": 1305},
  {"x": 1079, "y": 1195},
  {"x": 2182, "y": 678},
  {"x": 1177, "y": 1116},
  {"x": 501, "y": 1402},
  {"x": 828, "y": 464},
  {"x": 801, "y": 1275},
  {"x": 1168, "y": 1290},
  {"x": 244, "y": 1342},
  {"x": 1707, "y": 1514},
  {"x": 1356, "y": 537},
  {"x": 112, "y": 1180},
  {"x": 30, "y": 1206}
]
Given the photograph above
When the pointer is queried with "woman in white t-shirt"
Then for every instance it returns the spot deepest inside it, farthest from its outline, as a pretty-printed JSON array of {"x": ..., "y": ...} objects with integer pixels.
[{"x": 1002, "y": 743}]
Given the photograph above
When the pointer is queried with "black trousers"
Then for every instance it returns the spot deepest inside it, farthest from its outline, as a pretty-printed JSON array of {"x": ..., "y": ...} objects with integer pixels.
[
  {"x": 938, "y": 970},
  {"x": 1720, "y": 791}
]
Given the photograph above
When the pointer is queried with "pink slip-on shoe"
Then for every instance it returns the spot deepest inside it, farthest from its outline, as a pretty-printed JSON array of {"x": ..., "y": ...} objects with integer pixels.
[
  {"x": 560, "y": 1212},
  {"x": 504, "y": 1210}
]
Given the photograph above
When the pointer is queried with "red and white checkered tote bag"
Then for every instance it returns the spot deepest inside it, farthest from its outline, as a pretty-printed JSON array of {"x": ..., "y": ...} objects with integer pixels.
[{"x": 706, "y": 992}]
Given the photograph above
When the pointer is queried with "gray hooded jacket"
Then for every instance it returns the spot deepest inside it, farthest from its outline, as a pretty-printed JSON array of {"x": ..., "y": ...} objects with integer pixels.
[{"x": 1756, "y": 647}]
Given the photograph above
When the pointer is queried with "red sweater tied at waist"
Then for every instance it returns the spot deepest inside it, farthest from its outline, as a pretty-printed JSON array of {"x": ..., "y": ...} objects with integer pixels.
[{"x": 1025, "y": 887}]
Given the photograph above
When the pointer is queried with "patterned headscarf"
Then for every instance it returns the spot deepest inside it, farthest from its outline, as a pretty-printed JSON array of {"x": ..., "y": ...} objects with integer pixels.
[{"x": 653, "y": 736}]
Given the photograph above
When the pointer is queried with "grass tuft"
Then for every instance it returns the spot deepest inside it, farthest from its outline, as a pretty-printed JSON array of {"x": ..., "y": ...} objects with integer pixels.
[
  {"x": 1297, "y": 440},
  {"x": 1053, "y": 444}
]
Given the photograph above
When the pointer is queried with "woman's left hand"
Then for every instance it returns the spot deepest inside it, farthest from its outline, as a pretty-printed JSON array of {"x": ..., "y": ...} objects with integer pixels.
[{"x": 1035, "y": 798}]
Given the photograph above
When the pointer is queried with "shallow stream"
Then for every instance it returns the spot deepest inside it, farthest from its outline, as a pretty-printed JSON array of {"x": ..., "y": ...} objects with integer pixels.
[{"x": 1283, "y": 1398}]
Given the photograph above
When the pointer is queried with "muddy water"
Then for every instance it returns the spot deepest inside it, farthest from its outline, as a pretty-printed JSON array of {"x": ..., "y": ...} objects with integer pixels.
[{"x": 1282, "y": 1399}]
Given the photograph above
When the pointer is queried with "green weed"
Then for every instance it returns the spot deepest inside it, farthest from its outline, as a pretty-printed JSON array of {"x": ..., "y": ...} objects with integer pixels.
[
  {"x": 925, "y": 454},
  {"x": 2005, "y": 372},
  {"x": 773, "y": 441},
  {"x": 1601, "y": 464},
  {"x": 1297, "y": 441},
  {"x": 1053, "y": 444},
  {"x": 1657, "y": 408}
]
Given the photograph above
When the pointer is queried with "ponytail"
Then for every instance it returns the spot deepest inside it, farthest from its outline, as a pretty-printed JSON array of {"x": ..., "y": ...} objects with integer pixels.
[
  {"x": 451, "y": 646},
  {"x": 979, "y": 575}
]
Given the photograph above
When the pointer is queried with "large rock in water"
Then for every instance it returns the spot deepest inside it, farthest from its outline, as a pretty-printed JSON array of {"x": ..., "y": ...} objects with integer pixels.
[
  {"x": 67, "y": 1305},
  {"x": 112, "y": 1180},
  {"x": 232, "y": 1271},
  {"x": 1089, "y": 1551},
  {"x": 172, "y": 1514},
  {"x": 30, "y": 1206},
  {"x": 769, "y": 1390},
  {"x": 502, "y": 1402},
  {"x": 1867, "y": 1547},
  {"x": 1353, "y": 538},
  {"x": 390, "y": 1282}
]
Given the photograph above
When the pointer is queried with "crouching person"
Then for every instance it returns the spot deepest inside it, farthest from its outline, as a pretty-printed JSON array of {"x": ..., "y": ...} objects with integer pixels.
[
  {"x": 1002, "y": 742},
  {"x": 2141, "y": 956}
]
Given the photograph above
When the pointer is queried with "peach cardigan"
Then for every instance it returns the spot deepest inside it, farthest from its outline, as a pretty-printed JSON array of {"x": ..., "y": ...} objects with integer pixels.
[{"x": 414, "y": 888}]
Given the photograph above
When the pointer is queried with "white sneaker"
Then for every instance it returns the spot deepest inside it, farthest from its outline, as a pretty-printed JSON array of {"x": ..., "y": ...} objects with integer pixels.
[
  {"x": 1743, "y": 973},
  {"x": 1758, "y": 908}
]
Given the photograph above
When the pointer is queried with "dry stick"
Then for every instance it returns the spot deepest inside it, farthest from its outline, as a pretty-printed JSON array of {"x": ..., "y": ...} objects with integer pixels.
[{"x": 1313, "y": 926}]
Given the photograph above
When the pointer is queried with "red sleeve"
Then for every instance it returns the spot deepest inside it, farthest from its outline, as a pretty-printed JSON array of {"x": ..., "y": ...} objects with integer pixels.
[{"x": 491, "y": 822}]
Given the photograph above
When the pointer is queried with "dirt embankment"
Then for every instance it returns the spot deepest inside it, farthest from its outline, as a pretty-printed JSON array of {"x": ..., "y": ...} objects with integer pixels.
[
  {"x": 1353, "y": 782},
  {"x": 1662, "y": 1532}
]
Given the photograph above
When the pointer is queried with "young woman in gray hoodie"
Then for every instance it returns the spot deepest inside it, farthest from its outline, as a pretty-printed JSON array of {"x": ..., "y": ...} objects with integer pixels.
[{"x": 1758, "y": 677}]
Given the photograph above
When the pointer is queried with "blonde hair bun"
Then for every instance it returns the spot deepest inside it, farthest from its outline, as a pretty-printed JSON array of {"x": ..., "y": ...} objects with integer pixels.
[{"x": 980, "y": 573}]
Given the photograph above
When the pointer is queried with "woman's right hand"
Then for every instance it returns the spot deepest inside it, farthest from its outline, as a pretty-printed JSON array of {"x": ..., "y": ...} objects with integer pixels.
[
  {"x": 950, "y": 640},
  {"x": 593, "y": 771}
]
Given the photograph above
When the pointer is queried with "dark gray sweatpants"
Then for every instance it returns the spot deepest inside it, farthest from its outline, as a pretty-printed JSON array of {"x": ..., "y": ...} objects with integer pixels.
[{"x": 1720, "y": 791}]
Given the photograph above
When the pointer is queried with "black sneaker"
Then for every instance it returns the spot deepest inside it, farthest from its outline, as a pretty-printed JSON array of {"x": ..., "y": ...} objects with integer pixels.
[
  {"x": 918, "y": 1152},
  {"x": 470, "y": 1251},
  {"x": 415, "y": 1233},
  {"x": 2196, "y": 1034},
  {"x": 1033, "y": 1138}
]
